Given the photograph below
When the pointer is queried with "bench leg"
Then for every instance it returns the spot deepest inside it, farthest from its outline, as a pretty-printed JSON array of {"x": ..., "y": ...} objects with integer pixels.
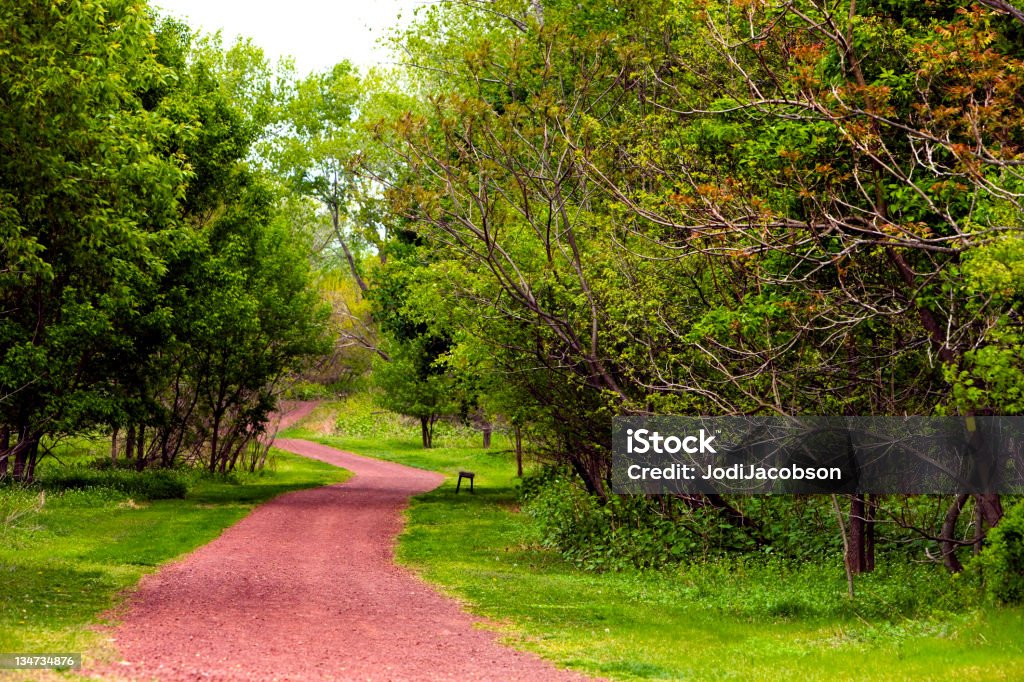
[{"x": 458, "y": 485}]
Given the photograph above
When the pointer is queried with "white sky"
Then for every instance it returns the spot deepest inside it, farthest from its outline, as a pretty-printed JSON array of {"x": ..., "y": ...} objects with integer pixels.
[{"x": 317, "y": 33}]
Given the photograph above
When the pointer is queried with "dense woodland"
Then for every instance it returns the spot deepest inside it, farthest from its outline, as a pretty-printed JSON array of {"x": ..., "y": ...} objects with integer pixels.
[{"x": 544, "y": 215}]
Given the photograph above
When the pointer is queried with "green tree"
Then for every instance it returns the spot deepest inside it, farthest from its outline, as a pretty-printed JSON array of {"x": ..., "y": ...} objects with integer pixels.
[
  {"x": 415, "y": 383},
  {"x": 86, "y": 194},
  {"x": 416, "y": 379},
  {"x": 240, "y": 308},
  {"x": 319, "y": 154},
  {"x": 715, "y": 207}
]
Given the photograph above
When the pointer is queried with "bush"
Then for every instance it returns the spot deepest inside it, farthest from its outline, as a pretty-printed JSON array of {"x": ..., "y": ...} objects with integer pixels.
[
  {"x": 655, "y": 531},
  {"x": 359, "y": 417},
  {"x": 160, "y": 484},
  {"x": 534, "y": 482},
  {"x": 623, "y": 531},
  {"x": 1002, "y": 560}
]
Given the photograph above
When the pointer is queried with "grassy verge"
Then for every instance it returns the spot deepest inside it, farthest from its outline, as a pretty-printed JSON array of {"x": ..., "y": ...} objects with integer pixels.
[
  {"x": 709, "y": 622},
  {"x": 65, "y": 556}
]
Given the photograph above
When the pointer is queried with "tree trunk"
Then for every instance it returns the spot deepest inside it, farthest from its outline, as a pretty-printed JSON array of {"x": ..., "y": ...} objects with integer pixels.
[
  {"x": 25, "y": 453},
  {"x": 129, "y": 442},
  {"x": 214, "y": 442},
  {"x": 336, "y": 220},
  {"x": 5, "y": 450},
  {"x": 32, "y": 460},
  {"x": 590, "y": 480},
  {"x": 140, "y": 448},
  {"x": 869, "y": 534},
  {"x": 426, "y": 431},
  {"x": 518, "y": 432},
  {"x": 166, "y": 458},
  {"x": 487, "y": 435},
  {"x": 265, "y": 450},
  {"x": 20, "y": 457},
  {"x": 846, "y": 546},
  {"x": 948, "y": 534},
  {"x": 113, "y": 444},
  {"x": 991, "y": 508},
  {"x": 237, "y": 444},
  {"x": 979, "y": 529},
  {"x": 987, "y": 505},
  {"x": 855, "y": 552}
]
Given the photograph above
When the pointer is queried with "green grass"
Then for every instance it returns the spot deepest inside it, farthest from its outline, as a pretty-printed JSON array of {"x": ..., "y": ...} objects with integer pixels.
[
  {"x": 64, "y": 563},
  {"x": 711, "y": 622}
]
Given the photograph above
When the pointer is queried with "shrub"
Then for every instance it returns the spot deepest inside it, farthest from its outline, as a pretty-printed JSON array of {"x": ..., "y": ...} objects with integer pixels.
[
  {"x": 654, "y": 531},
  {"x": 535, "y": 481},
  {"x": 160, "y": 484},
  {"x": 623, "y": 531},
  {"x": 1002, "y": 560}
]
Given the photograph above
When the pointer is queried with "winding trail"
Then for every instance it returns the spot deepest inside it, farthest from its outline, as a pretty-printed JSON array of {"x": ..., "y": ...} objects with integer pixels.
[{"x": 306, "y": 588}]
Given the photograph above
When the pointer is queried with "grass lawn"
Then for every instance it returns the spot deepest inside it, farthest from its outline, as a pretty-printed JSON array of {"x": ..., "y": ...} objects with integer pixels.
[
  {"x": 64, "y": 563},
  {"x": 709, "y": 622}
]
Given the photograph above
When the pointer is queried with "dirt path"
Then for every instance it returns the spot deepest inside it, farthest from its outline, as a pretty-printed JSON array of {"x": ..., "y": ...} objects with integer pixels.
[
  {"x": 305, "y": 588},
  {"x": 291, "y": 412}
]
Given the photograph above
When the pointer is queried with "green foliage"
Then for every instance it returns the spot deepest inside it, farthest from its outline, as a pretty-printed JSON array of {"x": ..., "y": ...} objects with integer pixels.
[
  {"x": 707, "y": 208},
  {"x": 316, "y": 153},
  {"x": 160, "y": 484},
  {"x": 991, "y": 376},
  {"x": 416, "y": 380},
  {"x": 307, "y": 390},
  {"x": 86, "y": 201},
  {"x": 360, "y": 417},
  {"x": 1002, "y": 560},
  {"x": 414, "y": 383},
  {"x": 624, "y": 531},
  {"x": 148, "y": 279}
]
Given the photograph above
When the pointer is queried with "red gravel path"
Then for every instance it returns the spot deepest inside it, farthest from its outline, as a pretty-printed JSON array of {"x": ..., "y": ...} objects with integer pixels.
[
  {"x": 290, "y": 413},
  {"x": 305, "y": 588}
]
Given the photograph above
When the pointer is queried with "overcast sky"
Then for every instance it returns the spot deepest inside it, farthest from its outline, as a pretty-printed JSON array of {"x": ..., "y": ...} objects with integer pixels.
[{"x": 317, "y": 33}]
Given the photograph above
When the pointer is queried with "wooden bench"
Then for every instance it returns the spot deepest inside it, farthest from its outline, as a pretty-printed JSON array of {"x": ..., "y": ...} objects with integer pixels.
[{"x": 468, "y": 475}]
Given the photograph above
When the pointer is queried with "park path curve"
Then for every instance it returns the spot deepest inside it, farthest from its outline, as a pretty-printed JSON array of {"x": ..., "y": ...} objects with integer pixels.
[{"x": 306, "y": 588}]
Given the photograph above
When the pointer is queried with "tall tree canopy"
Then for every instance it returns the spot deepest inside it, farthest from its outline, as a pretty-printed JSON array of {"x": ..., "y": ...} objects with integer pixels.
[
  {"x": 721, "y": 207},
  {"x": 146, "y": 280},
  {"x": 87, "y": 195}
]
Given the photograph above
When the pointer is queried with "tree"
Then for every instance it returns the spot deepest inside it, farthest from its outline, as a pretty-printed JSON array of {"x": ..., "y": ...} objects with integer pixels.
[
  {"x": 240, "y": 309},
  {"x": 415, "y": 383},
  {"x": 85, "y": 200},
  {"x": 320, "y": 154},
  {"x": 715, "y": 208},
  {"x": 416, "y": 379},
  {"x": 147, "y": 282}
]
